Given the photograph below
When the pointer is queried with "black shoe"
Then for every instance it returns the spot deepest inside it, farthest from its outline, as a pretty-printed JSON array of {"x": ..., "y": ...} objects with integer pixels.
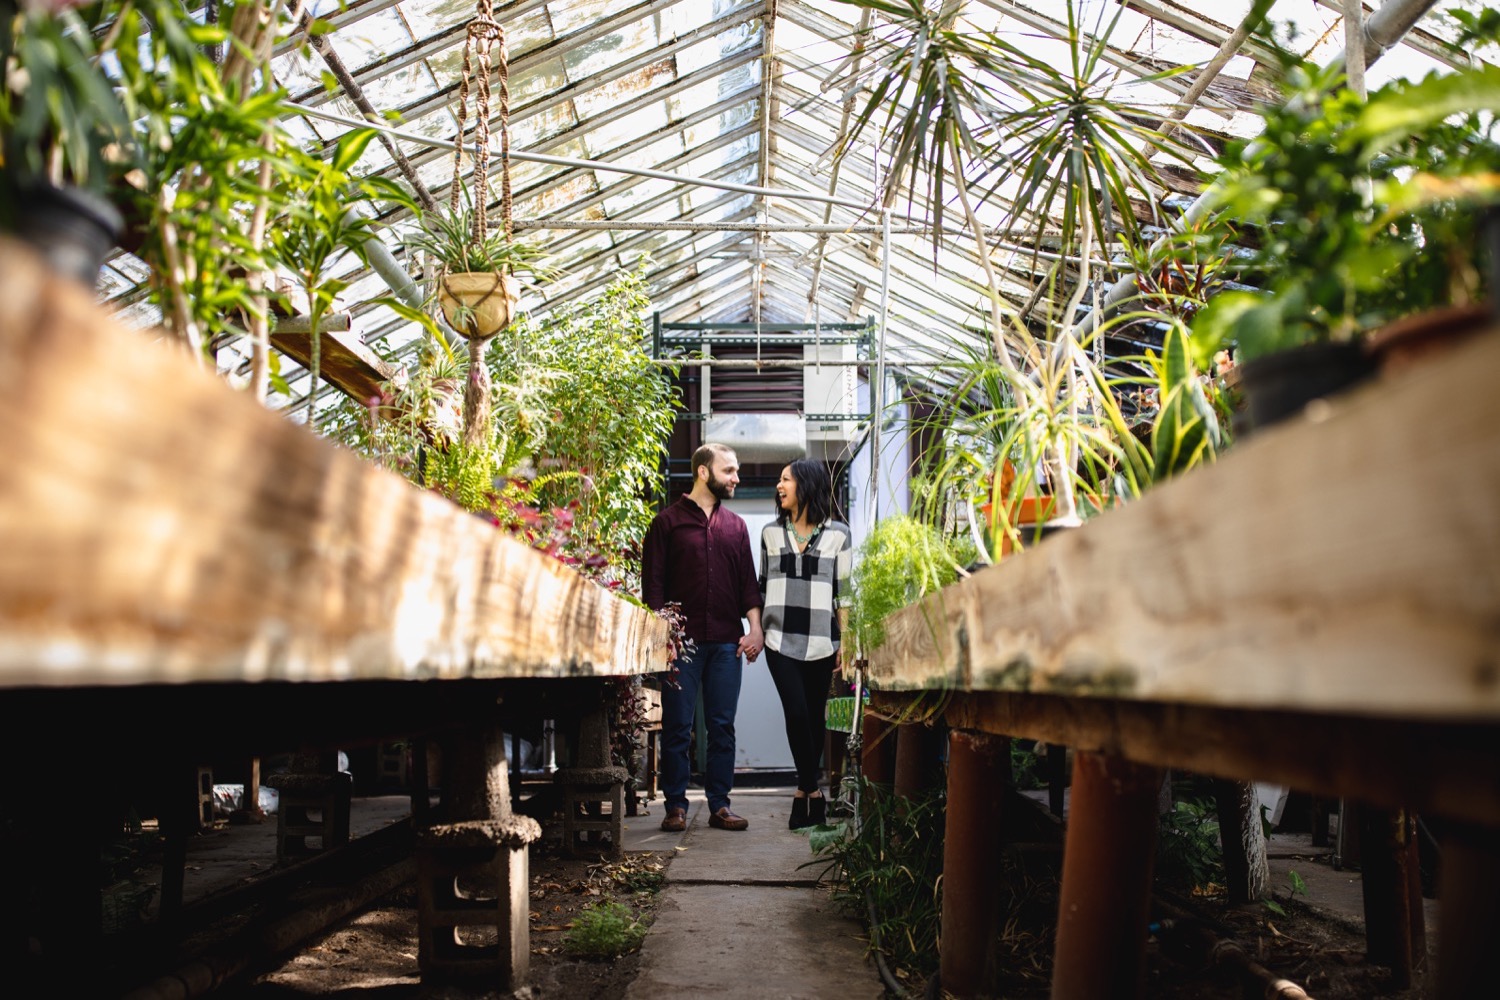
[
  {"x": 799, "y": 815},
  {"x": 817, "y": 810}
]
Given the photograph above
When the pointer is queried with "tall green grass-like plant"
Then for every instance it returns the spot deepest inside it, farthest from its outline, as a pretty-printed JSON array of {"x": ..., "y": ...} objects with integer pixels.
[
  {"x": 888, "y": 873},
  {"x": 1057, "y": 142}
]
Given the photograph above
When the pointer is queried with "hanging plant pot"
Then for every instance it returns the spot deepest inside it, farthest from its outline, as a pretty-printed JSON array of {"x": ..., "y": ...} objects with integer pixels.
[
  {"x": 1278, "y": 386},
  {"x": 478, "y": 304}
]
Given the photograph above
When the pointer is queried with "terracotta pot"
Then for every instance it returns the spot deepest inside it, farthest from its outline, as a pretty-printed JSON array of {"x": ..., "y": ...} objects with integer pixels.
[
  {"x": 478, "y": 304},
  {"x": 1032, "y": 516},
  {"x": 1398, "y": 346}
]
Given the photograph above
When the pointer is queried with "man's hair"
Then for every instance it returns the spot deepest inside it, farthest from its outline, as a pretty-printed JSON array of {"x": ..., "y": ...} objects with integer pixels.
[{"x": 705, "y": 455}]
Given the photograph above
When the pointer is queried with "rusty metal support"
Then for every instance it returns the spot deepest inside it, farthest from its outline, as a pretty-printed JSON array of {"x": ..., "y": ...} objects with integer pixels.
[
  {"x": 917, "y": 757},
  {"x": 877, "y": 755},
  {"x": 1395, "y": 930},
  {"x": 1105, "y": 899},
  {"x": 1469, "y": 890},
  {"x": 978, "y": 771}
]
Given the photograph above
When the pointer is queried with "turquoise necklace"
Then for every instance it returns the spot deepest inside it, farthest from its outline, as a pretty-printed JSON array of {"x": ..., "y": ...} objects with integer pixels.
[{"x": 799, "y": 536}]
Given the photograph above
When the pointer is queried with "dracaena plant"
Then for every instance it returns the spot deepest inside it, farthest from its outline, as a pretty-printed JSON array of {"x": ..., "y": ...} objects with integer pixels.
[{"x": 321, "y": 224}]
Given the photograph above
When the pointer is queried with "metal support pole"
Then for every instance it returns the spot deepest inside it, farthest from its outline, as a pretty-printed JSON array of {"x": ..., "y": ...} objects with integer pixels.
[
  {"x": 1390, "y": 878},
  {"x": 877, "y": 390},
  {"x": 916, "y": 759},
  {"x": 1105, "y": 899},
  {"x": 1470, "y": 893},
  {"x": 978, "y": 769}
]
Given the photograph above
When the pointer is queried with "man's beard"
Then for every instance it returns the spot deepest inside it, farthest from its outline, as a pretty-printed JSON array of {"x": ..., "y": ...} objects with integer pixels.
[{"x": 720, "y": 488}]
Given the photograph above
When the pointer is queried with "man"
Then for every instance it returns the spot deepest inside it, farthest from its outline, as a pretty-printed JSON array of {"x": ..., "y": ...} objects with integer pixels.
[{"x": 697, "y": 554}]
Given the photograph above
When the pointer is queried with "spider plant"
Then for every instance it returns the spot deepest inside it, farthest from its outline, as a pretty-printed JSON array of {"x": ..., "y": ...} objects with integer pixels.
[{"x": 449, "y": 237}]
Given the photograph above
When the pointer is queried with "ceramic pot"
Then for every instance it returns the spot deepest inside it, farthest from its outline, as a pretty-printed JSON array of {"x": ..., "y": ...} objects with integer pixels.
[
  {"x": 1398, "y": 346},
  {"x": 478, "y": 304}
]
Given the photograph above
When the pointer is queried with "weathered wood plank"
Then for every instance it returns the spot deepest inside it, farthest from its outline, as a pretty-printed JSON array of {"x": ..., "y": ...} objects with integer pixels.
[
  {"x": 343, "y": 360},
  {"x": 1346, "y": 562},
  {"x": 156, "y": 526}
]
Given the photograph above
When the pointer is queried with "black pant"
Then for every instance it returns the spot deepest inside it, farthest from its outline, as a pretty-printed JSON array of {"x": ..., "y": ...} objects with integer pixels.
[{"x": 803, "y": 687}]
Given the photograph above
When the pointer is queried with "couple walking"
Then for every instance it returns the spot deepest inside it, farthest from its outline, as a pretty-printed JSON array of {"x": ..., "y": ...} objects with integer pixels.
[{"x": 697, "y": 554}]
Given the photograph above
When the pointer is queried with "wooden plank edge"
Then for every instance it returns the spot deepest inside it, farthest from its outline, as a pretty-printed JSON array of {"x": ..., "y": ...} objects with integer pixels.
[
  {"x": 1349, "y": 561},
  {"x": 157, "y": 526}
]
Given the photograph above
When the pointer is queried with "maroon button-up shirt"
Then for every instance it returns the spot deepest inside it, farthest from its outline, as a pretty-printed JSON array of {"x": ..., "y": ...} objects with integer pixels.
[{"x": 704, "y": 564}]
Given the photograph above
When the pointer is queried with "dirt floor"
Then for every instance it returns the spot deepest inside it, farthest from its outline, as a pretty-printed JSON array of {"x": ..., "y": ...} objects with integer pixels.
[
  {"x": 373, "y": 955},
  {"x": 376, "y": 951}
]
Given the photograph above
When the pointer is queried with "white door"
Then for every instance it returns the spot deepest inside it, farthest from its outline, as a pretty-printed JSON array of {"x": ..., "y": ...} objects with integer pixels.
[{"x": 759, "y": 726}]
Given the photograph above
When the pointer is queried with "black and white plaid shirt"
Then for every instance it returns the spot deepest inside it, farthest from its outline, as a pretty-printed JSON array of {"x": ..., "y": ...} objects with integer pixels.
[{"x": 802, "y": 589}]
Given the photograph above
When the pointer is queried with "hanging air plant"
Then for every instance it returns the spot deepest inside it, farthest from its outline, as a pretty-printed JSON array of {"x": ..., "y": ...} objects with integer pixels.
[{"x": 477, "y": 288}]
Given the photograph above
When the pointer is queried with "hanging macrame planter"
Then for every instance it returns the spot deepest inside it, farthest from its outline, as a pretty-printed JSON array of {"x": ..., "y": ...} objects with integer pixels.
[{"x": 479, "y": 304}]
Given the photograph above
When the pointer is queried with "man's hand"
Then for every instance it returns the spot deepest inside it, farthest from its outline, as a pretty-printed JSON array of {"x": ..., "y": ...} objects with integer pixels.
[{"x": 752, "y": 643}]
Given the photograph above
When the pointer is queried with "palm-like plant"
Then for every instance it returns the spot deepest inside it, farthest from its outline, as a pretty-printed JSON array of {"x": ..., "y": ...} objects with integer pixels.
[{"x": 1060, "y": 147}]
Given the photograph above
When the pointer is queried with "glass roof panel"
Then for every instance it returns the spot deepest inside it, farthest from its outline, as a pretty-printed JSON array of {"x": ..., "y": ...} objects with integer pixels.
[{"x": 678, "y": 86}]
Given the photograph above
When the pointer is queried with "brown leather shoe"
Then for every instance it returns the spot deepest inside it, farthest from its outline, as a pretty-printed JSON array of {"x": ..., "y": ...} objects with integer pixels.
[
  {"x": 675, "y": 820},
  {"x": 726, "y": 820}
]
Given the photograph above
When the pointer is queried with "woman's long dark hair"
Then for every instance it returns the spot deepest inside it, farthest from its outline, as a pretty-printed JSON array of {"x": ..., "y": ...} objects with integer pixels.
[{"x": 814, "y": 491}]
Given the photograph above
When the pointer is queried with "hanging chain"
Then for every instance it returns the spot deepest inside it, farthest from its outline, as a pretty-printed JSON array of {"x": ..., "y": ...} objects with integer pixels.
[{"x": 484, "y": 34}]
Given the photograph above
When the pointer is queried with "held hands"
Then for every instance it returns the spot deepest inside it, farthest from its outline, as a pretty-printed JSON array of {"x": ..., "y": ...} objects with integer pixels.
[{"x": 751, "y": 644}]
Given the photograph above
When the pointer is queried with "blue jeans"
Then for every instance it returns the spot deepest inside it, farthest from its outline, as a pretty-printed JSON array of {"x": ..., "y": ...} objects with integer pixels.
[{"x": 714, "y": 668}]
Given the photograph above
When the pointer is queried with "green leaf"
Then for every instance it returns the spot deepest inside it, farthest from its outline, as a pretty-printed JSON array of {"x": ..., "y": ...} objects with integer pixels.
[
  {"x": 1175, "y": 350},
  {"x": 320, "y": 27},
  {"x": 351, "y": 146},
  {"x": 1394, "y": 112}
]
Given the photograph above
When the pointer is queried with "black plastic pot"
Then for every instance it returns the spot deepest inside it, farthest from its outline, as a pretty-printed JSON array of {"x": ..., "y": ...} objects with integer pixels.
[
  {"x": 1280, "y": 385},
  {"x": 73, "y": 229}
]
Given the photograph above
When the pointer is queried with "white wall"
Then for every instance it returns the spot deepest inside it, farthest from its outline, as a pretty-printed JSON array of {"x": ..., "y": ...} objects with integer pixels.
[{"x": 759, "y": 729}]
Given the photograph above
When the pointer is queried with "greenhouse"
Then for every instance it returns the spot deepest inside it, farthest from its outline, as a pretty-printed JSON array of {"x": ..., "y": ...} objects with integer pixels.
[{"x": 455, "y": 447}]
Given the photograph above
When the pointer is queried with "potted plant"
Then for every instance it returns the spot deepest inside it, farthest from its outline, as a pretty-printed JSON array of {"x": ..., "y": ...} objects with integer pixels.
[
  {"x": 1067, "y": 157},
  {"x": 1360, "y": 211},
  {"x": 64, "y": 135},
  {"x": 478, "y": 282}
]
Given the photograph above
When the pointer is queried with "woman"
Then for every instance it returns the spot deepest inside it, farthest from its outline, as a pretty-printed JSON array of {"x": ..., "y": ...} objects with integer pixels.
[{"x": 805, "y": 558}]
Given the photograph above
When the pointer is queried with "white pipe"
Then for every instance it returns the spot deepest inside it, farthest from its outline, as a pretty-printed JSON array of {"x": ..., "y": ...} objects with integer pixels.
[
  {"x": 877, "y": 391},
  {"x": 1354, "y": 49}
]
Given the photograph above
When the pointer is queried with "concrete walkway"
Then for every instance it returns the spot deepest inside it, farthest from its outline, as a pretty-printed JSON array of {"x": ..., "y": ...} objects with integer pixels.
[{"x": 741, "y": 917}]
